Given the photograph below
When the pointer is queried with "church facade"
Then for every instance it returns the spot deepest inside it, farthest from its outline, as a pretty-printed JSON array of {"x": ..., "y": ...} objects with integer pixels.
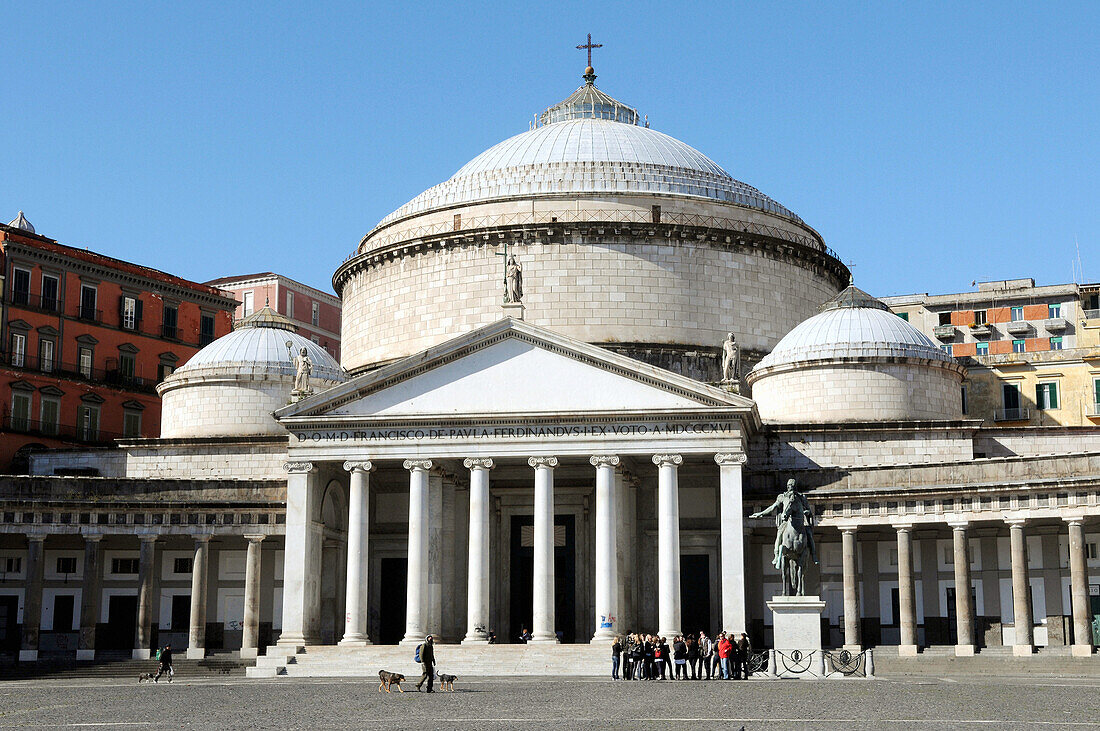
[{"x": 571, "y": 457}]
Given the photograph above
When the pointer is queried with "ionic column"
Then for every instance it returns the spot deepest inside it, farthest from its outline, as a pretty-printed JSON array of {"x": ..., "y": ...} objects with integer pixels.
[
  {"x": 196, "y": 638},
  {"x": 89, "y": 598},
  {"x": 606, "y": 502},
  {"x": 477, "y": 579},
  {"x": 668, "y": 544},
  {"x": 732, "y": 542},
  {"x": 542, "y": 615},
  {"x": 852, "y": 640},
  {"x": 907, "y": 604},
  {"x": 1079, "y": 589},
  {"x": 416, "y": 593},
  {"x": 355, "y": 596},
  {"x": 301, "y": 558},
  {"x": 964, "y": 605},
  {"x": 250, "y": 637},
  {"x": 1023, "y": 624},
  {"x": 143, "y": 633},
  {"x": 32, "y": 600}
]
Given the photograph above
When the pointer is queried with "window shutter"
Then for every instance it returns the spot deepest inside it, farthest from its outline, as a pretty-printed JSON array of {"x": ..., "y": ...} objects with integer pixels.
[
  {"x": 121, "y": 309},
  {"x": 139, "y": 309},
  {"x": 1053, "y": 395}
]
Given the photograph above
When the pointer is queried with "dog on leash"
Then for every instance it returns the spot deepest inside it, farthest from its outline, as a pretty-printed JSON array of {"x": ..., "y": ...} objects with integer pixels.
[
  {"x": 389, "y": 679},
  {"x": 144, "y": 676},
  {"x": 447, "y": 682}
]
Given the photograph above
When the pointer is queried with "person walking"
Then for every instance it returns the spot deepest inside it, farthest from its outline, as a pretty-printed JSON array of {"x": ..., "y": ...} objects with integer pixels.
[
  {"x": 706, "y": 654},
  {"x": 427, "y": 662},
  {"x": 616, "y": 654},
  {"x": 165, "y": 657},
  {"x": 725, "y": 649},
  {"x": 679, "y": 657},
  {"x": 692, "y": 655}
]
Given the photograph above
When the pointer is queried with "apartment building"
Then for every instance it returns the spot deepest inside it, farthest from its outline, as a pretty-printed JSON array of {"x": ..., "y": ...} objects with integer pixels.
[
  {"x": 85, "y": 338},
  {"x": 316, "y": 313},
  {"x": 1032, "y": 353}
]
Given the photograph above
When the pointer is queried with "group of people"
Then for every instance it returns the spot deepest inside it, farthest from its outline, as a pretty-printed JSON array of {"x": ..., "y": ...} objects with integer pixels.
[{"x": 649, "y": 657}]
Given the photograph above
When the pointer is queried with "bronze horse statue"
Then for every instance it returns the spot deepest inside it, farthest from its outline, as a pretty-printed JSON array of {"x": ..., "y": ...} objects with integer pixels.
[{"x": 794, "y": 549}]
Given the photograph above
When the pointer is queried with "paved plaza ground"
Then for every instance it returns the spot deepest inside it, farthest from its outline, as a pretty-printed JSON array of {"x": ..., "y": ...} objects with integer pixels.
[{"x": 911, "y": 702}]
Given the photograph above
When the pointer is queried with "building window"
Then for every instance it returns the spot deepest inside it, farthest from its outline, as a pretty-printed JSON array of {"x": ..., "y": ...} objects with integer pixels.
[
  {"x": 20, "y": 411},
  {"x": 85, "y": 362},
  {"x": 20, "y": 286},
  {"x": 1054, "y": 311},
  {"x": 88, "y": 422},
  {"x": 945, "y": 318},
  {"x": 290, "y": 303},
  {"x": 50, "y": 300},
  {"x": 206, "y": 330},
  {"x": 66, "y": 565},
  {"x": 979, "y": 317},
  {"x": 1017, "y": 346},
  {"x": 164, "y": 370},
  {"x": 1096, "y": 396},
  {"x": 45, "y": 355},
  {"x": 247, "y": 309},
  {"x": 458, "y": 222},
  {"x": 18, "y": 349},
  {"x": 171, "y": 317},
  {"x": 88, "y": 302},
  {"x": 946, "y": 348},
  {"x": 182, "y": 565},
  {"x": 1046, "y": 395},
  {"x": 316, "y": 317},
  {"x": 1056, "y": 343},
  {"x": 655, "y": 214},
  {"x": 1017, "y": 314},
  {"x": 1010, "y": 395},
  {"x": 965, "y": 405},
  {"x": 904, "y": 316},
  {"x": 124, "y": 565},
  {"x": 12, "y": 564},
  {"x": 982, "y": 348},
  {"x": 131, "y": 423},
  {"x": 130, "y": 312},
  {"x": 316, "y": 340},
  {"x": 51, "y": 415},
  {"x": 126, "y": 366}
]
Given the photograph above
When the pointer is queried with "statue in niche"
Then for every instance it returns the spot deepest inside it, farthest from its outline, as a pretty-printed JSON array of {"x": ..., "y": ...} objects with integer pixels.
[
  {"x": 794, "y": 537},
  {"x": 303, "y": 369},
  {"x": 731, "y": 359},
  {"x": 513, "y": 277}
]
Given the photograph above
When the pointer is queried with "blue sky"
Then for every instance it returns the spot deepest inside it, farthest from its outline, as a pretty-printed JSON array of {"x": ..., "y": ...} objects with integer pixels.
[{"x": 930, "y": 144}]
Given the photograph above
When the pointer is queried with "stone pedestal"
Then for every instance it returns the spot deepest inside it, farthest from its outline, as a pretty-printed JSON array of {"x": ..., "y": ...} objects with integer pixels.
[
  {"x": 513, "y": 310},
  {"x": 797, "y": 636}
]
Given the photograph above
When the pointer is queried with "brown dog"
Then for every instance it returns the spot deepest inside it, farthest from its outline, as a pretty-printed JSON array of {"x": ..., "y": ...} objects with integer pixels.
[
  {"x": 447, "y": 682},
  {"x": 389, "y": 679}
]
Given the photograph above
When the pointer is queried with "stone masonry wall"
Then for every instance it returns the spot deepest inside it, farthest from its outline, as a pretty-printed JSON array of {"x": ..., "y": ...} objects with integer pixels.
[
  {"x": 223, "y": 409},
  {"x": 795, "y": 450}
]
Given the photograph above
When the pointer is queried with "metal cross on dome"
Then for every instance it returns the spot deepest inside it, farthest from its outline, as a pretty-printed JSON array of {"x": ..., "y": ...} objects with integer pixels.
[{"x": 589, "y": 46}]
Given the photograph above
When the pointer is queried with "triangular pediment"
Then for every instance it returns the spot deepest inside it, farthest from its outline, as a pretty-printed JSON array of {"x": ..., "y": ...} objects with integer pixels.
[{"x": 512, "y": 367}]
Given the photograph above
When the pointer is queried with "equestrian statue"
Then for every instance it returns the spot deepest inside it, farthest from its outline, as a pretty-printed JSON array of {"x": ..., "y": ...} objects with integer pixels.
[{"x": 794, "y": 537}]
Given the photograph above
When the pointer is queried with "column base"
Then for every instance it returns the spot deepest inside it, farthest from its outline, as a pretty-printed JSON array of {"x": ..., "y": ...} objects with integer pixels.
[
  {"x": 604, "y": 637},
  {"x": 85, "y": 655},
  {"x": 852, "y": 648},
  {"x": 28, "y": 656},
  {"x": 668, "y": 633},
  {"x": 543, "y": 640},
  {"x": 1023, "y": 650},
  {"x": 141, "y": 653},
  {"x": 964, "y": 650},
  {"x": 249, "y": 653},
  {"x": 412, "y": 640},
  {"x": 195, "y": 653},
  {"x": 354, "y": 640},
  {"x": 907, "y": 650},
  {"x": 475, "y": 640},
  {"x": 1080, "y": 650}
]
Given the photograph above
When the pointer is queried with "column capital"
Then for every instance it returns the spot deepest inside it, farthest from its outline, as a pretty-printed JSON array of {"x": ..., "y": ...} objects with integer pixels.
[
  {"x": 299, "y": 468},
  {"x": 417, "y": 464},
  {"x": 1015, "y": 522},
  {"x": 36, "y": 537},
  {"x": 959, "y": 524},
  {"x": 848, "y": 528},
  {"x": 903, "y": 527},
  {"x": 148, "y": 537},
  {"x": 547, "y": 462},
  {"x": 667, "y": 459},
  {"x": 478, "y": 463},
  {"x": 202, "y": 538},
  {"x": 1073, "y": 519},
  {"x": 604, "y": 460},
  {"x": 92, "y": 537},
  {"x": 731, "y": 458},
  {"x": 255, "y": 537},
  {"x": 361, "y": 466}
]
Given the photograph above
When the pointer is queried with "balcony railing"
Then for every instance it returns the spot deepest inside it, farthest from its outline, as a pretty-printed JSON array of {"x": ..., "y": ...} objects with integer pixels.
[
  {"x": 45, "y": 303},
  {"x": 944, "y": 332},
  {"x": 86, "y": 312},
  {"x": 109, "y": 376},
  {"x": 1094, "y": 411},
  {"x": 1011, "y": 415},
  {"x": 1055, "y": 324},
  {"x": 983, "y": 330},
  {"x": 1019, "y": 327},
  {"x": 1092, "y": 314},
  {"x": 66, "y": 432},
  {"x": 170, "y": 331}
]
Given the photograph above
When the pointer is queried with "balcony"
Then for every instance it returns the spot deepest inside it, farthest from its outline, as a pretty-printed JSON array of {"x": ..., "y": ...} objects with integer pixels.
[
  {"x": 1012, "y": 415},
  {"x": 944, "y": 332},
  {"x": 170, "y": 331},
  {"x": 1092, "y": 314},
  {"x": 983, "y": 330},
  {"x": 1094, "y": 411},
  {"x": 45, "y": 303},
  {"x": 89, "y": 313},
  {"x": 1055, "y": 324},
  {"x": 65, "y": 432},
  {"x": 1019, "y": 327},
  {"x": 112, "y": 376}
]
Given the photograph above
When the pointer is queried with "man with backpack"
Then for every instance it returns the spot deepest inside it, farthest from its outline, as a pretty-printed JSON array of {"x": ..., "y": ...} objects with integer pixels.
[
  {"x": 164, "y": 655},
  {"x": 425, "y": 655}
]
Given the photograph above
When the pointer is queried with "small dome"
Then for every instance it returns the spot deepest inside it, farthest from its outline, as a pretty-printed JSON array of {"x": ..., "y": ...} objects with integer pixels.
[
  {"x": 262, "y": 350},
  {"x": 21, "y": 222}
]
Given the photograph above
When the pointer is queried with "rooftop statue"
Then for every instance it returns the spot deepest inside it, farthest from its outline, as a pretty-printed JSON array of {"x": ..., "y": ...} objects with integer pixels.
[
  {"x": 731, "y": 359},
  {"x": 794, "y": 538},
  {"x": 514, "y": 279}
]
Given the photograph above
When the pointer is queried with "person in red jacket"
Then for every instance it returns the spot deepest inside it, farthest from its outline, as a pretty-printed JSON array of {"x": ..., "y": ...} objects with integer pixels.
[{"x": 725, "y": 649}]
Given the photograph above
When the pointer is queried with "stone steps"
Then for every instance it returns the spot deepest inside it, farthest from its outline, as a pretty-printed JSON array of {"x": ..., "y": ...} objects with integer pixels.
[{"x": 121, "y": 667}]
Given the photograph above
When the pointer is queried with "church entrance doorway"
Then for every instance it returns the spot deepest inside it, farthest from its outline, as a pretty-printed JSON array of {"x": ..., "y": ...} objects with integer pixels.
[
  {"x": 9, "y": 629},
  {"x": 394, "y": 579},
  {"x": 565, "y": 578},
  {"x": 121, "y": 620},
  {"x": 695, "y": 594}
]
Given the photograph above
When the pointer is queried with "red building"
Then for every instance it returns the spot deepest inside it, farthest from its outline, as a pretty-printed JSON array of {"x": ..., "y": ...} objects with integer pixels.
[{"x": 85, "y": 338}]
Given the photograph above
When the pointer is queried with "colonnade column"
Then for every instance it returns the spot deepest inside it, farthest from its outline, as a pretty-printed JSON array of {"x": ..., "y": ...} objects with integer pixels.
[
  {"x": 416, "y": 593},
  {"x": 89, "y": 598},
  {"x": 477, "y": 586},
  {"x": 732, "y": 518},
  {"x": 196, "y": 639},
  {"x": 852, "y": 640},
  {"x": 542, "y": 615},
  {"x": 355, "y": 595},
  {"x": 907, "y": 604},
  {"x": 1023, "y": 631},
  {"x": 143, "y": 633},
  {"x": 250, "y": 637},
  {"x": 668, "y": 544},
  {"x": 302, "y": 557},
  {"x": 606, "y": 508},
  {"x": 964, "y": 604},
  {"x": 1079, "y": 589},
  {"x": 32, "y": 601}
]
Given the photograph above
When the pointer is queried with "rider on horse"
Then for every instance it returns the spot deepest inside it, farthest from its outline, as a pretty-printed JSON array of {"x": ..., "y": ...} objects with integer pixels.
[{"x": 787, "y": 504}]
